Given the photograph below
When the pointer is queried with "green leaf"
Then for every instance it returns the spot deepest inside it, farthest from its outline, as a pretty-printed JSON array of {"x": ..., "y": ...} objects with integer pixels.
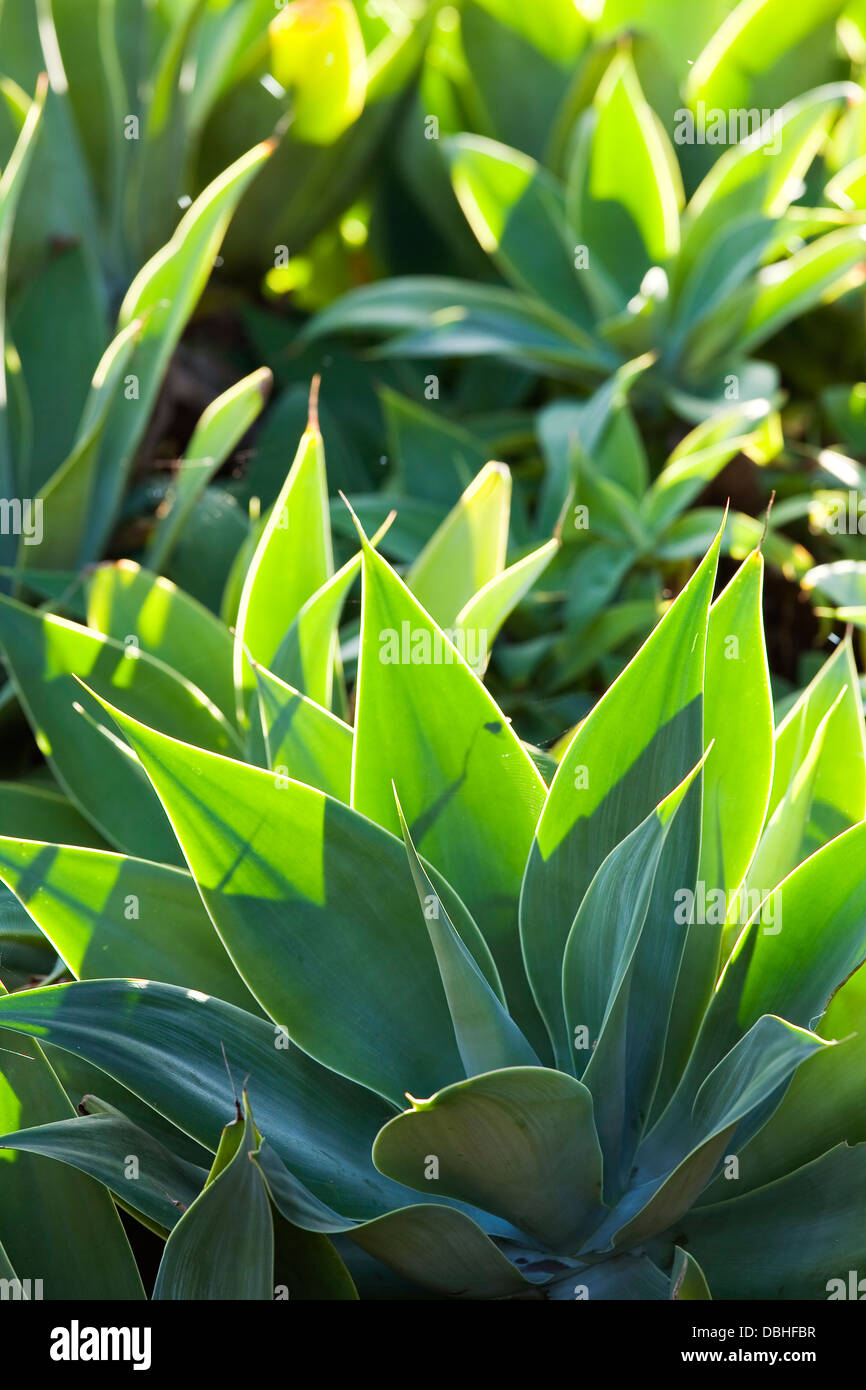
[
  {"x": 742, "y": 1083},
  {"x": 307, "y": 1266},
  {"x": 487, "y": 1038},
  {"x": 845, "y": 407},
  {"x": 642, "y": 738},
  {"x": 11, "y": 185},
  {"x": 752, "y": 39},
  {"x": 615, "y": 627},
  {"x": 30, "y": 811},
  {"x": 745, "y": 179},
  {"x": 689, "y": 536},
  {"x": 738, "y": 724},
  {"x": 817, "y": 936},
  {"x": 93, "y": 1260},
  {"x": 687, "y": 1279},
  {"x": 223, "y": 1245},
  {"x": 158, "y": 1185},
  {"x": 558, "y": 30},
  {"x": 292, "y": 560},
  {"x": 839, "y": 794},
  {"x": 124, "y": 600},
  {"x": 295, "y": 1203},
  {"x": 627, "y": 1277},
  {"x": 107, "y": 915},
  {"x": 218, "y": 432},
  {"x": 517, "y": 212},
  {"x": 66, "y": 290},
  {"x": 816, "y": 274},
  {"x": 697, "y": 459},
  {"x": 624, "y": 191},
  {"x": 616, "y": 515},
  {"x": 493, "y": 604},
  {"x": 603, "y": 430},
  {"x": 467, "y": 550},
  {"x": 620, "y": 970},
  {"x": 302, "y": 740},
  {"x": 45, "y": 654},
  {"x": 732, "y": 253},
  {"x": 164, "y": 294},
  {"x": 827, "y": 1089},
  {"x": 738, "y": 719},
  {"x": 514, "y": 84},
  {"x": 519, "y": 1142},
  {"x": 308, "y": 657},
  {"x": 442, "y": 1250},
  {"x": 318, "y": 935},
  {"x": 843, "y": 586},
  {"x": 432, "y": 457},
  {"x": 152, "y": 180},
  {"x": 747, "y": 1245},
  {"x": 166, "y": 1046},
  {"x": 795, "y": 951},
  {"x": 442, "y": 316},
  {"x": 68, "y": 494},
  {"x": 779, "y": 849},
  {"x": 847, "y": 187},
  {"x": 425, "y": 722}
]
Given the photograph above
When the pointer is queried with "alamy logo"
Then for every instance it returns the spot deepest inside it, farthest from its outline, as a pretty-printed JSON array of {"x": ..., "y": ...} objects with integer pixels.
[
  {"x": 714, "y": 907},
  {"x": 77, "y": 1343},
  {"x": 846, "y": 516},
  {"x": 715, "y": 126},
  {"x": 421, "y": 647},
  {"x": 22, "y": 517},
  {"x": 854, "y": 1287}
]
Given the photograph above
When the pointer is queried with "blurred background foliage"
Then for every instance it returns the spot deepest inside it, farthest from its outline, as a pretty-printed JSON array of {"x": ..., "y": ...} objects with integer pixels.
[{"x": 482, "y": 224}]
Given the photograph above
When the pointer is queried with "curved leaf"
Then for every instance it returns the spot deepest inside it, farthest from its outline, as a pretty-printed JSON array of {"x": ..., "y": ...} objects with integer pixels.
[
  {"x": 467, "y": 550},
  {"x": 458, "y": 767},
  {"x": 641, "y": 739},
  {"x": 519, "y": 1142},
  {"x": 223, "y": 1245},
  {"x": 164, "y": 294},
  {"x": 301, "y": 739},
  {"x": 124, "y": 600},
  {"x": 107, "y": 914},
  {"x": 218, "y": 432},
  {"x": 45, "y": 654},
  {"x": 316, "y": 908},
  {"x": 745, "y": 1244},
  {"x": 166, "y": 1045},
  {"x": 141, "y": 1171},
  {"x": 292, "y": 560},
  {"x": 94, "y": 1259},
  {"x": 486, "y": 1037}
]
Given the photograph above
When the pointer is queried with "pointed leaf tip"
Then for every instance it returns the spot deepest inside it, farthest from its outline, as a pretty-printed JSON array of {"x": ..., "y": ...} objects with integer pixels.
[
  {"x": 362, "y": 536},
  {"x": 313, "y": 409}
]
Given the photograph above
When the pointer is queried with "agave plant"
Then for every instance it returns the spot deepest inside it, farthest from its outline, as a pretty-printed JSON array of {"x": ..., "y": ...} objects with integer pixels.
[
  {"x": 626, "y": 534},
  {"x": 520, "y": 75},
  {"x": 631, "y": 530},
  {"x": 91, "y": 233},
  {"x": 461, "y": 575},
  {"x": 605, "y": 999},
  {"x": 182, "y": 88},
  {"x": 70, "y": 473},
  {"x": 602, "y": 267}
]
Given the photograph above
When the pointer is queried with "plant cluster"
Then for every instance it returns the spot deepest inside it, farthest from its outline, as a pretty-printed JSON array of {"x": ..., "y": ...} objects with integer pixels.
[{"x": 439, "y": 875}]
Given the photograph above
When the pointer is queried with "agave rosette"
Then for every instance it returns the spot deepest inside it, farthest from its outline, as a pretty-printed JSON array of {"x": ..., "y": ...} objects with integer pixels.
[
  {"x": 602, "y": 263},
  {"x": 497, "y": 1038}
]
